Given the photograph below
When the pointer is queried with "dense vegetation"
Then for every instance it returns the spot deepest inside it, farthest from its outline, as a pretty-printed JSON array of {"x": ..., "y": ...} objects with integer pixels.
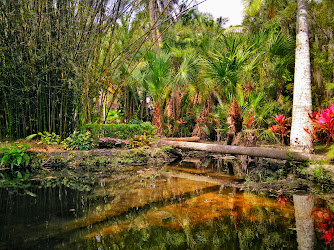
[{"x": 68, "y": 63}]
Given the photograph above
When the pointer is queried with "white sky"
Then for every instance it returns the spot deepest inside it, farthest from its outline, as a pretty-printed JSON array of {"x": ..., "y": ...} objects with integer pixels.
[{"x": 225, "y": 8}]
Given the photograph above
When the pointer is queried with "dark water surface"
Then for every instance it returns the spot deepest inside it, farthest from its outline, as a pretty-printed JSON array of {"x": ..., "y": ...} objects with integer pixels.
[{"x": 186, "y": 206}]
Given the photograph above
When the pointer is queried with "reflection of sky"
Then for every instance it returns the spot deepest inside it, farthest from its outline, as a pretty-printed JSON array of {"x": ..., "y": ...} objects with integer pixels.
[{"x": 225, "y": 8}]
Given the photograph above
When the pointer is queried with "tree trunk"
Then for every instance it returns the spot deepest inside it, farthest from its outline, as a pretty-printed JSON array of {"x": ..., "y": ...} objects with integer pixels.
[
  {"x": 302, "y": 95},
  {"x": 239, "y": 150},
  {"x": 155, "y": 29},
  {"x": 157, "y": 118}
]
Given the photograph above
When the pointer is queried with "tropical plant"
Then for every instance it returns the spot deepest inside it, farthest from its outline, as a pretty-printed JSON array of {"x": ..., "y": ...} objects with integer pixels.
[
  {"x": 157, "y": 77},
  {"x": 121, "y": 131},
  {"x": 15, "y": 155},
  {"x": 282, "y": 127},
  {"x": 78, "y": 141},
  {"x": 140, "y": 141},
  {"x": 323, "y": 124},
  {"x": 49, "y": 138}
]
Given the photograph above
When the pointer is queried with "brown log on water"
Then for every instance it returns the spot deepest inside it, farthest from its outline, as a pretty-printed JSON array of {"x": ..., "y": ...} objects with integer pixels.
[{"x": 240, "y": 150}]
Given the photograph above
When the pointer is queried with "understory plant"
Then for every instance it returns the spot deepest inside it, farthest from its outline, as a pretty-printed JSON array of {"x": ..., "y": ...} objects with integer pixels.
[
  {"x": 281, "y": 129},
  {"x": 15, "y": 155},
  {"x": 78, "y": 141},
  {"x": 49, "y": 138},
  {"x": 140, "y": 141},
  {"x": 323, "y": 124}
]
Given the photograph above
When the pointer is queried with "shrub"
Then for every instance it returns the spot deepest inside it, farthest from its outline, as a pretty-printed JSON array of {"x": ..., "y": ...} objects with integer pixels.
[
  {"x": 15, "y": 155},
  {"x": 48, "y": 138},
  {"x": 323, "y": 124},
  {"x": 78, "y": 141},
  {"x": 140, "y": 141},
  {"x": 282, "y": 127},
  {"x": 120, "y": 131}
]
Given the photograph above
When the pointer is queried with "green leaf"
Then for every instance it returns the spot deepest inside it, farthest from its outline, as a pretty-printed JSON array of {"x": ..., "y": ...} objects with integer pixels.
[
  {"x": 29, "y": 137},
  {"x": 30, "y": 193},
  {"x": 19, "y": 175},
  {"x": 19, "y": 160}
]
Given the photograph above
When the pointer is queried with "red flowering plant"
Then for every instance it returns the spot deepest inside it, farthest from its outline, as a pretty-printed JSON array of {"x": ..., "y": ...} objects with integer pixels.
[
  {"x": 323, "y": 124},
  {"x": 282, "y": 127},
  {"x": 324, "y": 224},
  {"x": 282, "y": 199},
  {"x": 181, "y": 122}
]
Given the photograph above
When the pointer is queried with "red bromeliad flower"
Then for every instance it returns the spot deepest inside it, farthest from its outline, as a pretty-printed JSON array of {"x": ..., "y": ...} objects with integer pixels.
[
  {"x": 279, "y": 118},
  {"x": 282, "y": 126},
  {"x": 323, "y": 123}
]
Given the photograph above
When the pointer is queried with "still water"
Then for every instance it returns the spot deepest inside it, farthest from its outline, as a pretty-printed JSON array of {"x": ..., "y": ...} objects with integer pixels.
[{"x": 186, "y": 206}]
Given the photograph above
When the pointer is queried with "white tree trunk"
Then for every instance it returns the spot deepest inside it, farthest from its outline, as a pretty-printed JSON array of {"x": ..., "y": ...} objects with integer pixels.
[{"x": 302, "y": 94}]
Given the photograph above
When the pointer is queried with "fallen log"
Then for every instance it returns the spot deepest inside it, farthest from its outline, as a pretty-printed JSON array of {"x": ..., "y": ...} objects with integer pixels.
[
  {"x": 108, "y": 142},
  {"x": 186, "y": 139},
  {"x": 250, "y": 151}
]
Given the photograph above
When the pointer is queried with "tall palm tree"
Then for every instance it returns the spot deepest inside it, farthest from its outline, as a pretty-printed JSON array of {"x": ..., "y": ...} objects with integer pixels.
[
  {"x": 156, "y": 7},
  {"x": 156, "y": 78},
  {"x": 302, "y": 94}
]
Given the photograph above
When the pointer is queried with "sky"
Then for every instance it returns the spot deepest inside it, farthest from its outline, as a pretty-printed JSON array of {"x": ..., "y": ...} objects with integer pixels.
[{"x": 225, "y": 8}]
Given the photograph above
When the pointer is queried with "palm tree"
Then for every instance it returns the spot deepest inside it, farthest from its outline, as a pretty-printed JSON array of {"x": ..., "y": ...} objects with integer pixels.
[
  {"x": 302, "y": 94},
  {"x": 156, "y": 78}
]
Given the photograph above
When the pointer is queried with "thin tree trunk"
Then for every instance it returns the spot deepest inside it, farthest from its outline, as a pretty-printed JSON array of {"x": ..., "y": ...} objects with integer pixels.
[
  {"x": 157, "y": 118},
  {"x": 155, "y": 30},
  {"x": 302, "y": 94}
]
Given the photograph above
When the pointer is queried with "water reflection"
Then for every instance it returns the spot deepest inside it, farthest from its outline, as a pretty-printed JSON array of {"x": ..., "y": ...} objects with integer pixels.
[
  {"x": 304, "y": 204},
  {"x": 190, "y": 205}
]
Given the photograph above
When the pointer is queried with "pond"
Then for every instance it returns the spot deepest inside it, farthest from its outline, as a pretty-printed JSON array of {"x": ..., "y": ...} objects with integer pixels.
[{"x": 190, "y": 205}]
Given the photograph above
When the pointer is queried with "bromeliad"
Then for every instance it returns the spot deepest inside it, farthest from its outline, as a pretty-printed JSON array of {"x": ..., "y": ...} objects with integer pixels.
[
  {"x": 282, "y": 126},
  {"x": 323, "y": 123}
]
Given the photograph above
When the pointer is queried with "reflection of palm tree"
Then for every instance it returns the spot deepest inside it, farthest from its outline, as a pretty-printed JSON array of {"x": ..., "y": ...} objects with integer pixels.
[{"x": 304, "y": 223}]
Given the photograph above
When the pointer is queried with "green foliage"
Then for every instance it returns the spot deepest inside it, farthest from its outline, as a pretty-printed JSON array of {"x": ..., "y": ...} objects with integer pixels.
[
  {"x": 320, "y": 174},
  {"x": 121, "y": 131},
  {"x": 15, "y": 155},
  {"x": 78, "y": 141},
  {"x": 140, "y": 141},
  {"x": 16, "y": 180},
  {"x": 30, "y": 137},
  {"x": 48, "y": 138},
  {"x": 330, "y": 153}
]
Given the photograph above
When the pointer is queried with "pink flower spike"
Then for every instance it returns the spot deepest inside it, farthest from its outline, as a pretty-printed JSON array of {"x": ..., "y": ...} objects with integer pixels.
[
  {"x": 279, "y": 118},
  {"x": 331, "y": 109}
]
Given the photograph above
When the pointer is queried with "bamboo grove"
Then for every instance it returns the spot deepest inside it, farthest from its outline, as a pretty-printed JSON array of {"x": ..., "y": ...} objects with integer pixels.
[{"x": 66, "y": 63}]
